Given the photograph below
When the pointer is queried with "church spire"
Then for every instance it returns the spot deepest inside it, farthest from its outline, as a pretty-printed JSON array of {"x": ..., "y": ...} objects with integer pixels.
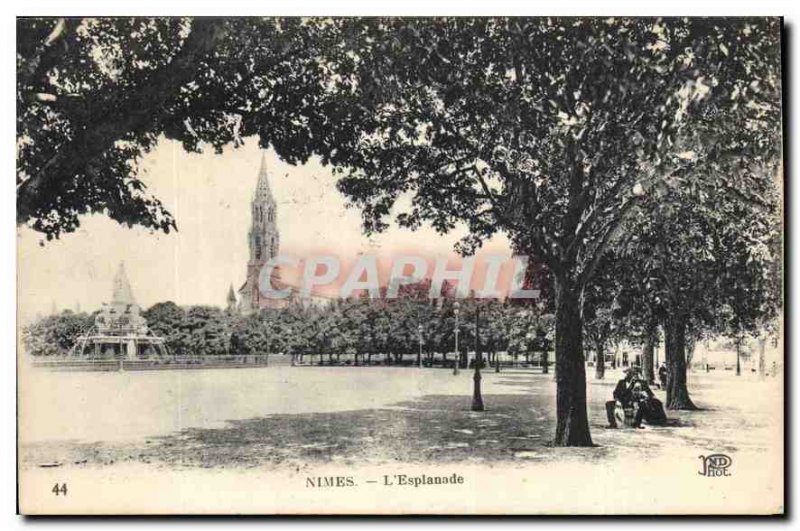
[
  {"x": 231, "y": 300},
  {"x": 263, "y": 237},
  {"x": 262, "y": 188}
]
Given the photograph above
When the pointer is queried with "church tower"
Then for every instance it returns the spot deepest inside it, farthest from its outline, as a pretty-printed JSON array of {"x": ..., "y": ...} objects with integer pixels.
[{"x": 263, "y": 240}]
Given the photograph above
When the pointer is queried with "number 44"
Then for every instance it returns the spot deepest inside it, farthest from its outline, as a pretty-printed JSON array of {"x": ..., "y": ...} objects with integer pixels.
[{"x": 59, "y": 489}]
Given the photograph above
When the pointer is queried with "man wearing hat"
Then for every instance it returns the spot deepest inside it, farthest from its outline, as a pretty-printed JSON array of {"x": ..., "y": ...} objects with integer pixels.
[{"x": 624, "y": 393}]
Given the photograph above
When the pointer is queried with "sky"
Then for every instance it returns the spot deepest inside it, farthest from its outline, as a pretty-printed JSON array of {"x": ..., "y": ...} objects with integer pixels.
[{"x": 209, "y": 195}]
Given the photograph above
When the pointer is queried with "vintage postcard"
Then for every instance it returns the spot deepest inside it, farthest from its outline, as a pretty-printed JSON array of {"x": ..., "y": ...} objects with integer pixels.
[{"x": 400, "y": 266}]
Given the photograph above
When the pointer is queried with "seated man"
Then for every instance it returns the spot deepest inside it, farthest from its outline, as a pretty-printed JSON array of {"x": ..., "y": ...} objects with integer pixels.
[
  {"x": 633, "y": 392},
  {"x": 623, "y": 393}
]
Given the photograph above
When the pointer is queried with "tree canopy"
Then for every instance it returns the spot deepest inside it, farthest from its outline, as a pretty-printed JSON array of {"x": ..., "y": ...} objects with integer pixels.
[
  {"x": 557, "y": 132},
  {"x": 576, "y": 137},
  {"x": 95, "y": 95}
]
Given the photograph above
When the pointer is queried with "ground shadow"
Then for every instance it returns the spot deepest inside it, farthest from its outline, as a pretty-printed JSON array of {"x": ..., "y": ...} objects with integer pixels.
[
  {"x": 434, "y": 428},
  {"x": 439, "y": 429}
]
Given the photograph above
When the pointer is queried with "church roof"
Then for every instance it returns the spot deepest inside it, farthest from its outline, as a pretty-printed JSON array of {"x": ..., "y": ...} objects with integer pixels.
[{"x": 121, "y": 291}]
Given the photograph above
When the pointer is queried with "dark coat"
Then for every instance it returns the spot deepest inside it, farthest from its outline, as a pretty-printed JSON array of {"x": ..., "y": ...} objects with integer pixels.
[
  {"x": 623, "y": 392},
  {"x": 653, "y": 412}
]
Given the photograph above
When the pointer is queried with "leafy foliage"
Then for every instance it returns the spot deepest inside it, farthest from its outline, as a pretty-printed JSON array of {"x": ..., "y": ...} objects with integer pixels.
[
  {"x": 353, "y": 326},
  {"x": 584, "y": 140},
  {"x": 55, "y": 335},
  {"x": 547, "y": 129},
  {"x": 95, "y": 95},
  {"x": 559, "y": 132}
]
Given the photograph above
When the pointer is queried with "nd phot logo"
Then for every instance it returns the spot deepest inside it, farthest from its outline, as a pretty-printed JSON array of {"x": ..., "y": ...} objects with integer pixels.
[{"x": 715, "y": 465}]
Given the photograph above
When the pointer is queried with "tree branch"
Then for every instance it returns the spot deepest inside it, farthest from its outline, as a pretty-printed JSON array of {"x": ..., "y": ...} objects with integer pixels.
[
  {"x": 135, "y": 113},
  {"x": 611, "y": 233}
]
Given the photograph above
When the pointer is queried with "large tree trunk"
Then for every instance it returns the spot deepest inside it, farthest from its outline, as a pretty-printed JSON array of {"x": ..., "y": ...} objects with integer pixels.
[
  {"x": 675, "y": 353},
  {"x": 600, "y": 365},
  {"x": 572, "y": 427},
  {"x": 648, "y": 351}
]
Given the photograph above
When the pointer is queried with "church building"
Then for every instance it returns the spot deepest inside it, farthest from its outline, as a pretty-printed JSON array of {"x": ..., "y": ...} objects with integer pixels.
[{"x": 263, "y": 240}]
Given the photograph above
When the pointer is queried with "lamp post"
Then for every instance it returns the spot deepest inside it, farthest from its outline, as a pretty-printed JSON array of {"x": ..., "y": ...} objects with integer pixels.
[
  {"x": 738, "y": 350},
  {"x": 477, "y": 399},
  {"x": 497, "y": 360},
  {"x": 495, "y": 349},
  {"x": 456, "y": 312},
  {"x": 419, "y": 356},
  {"x": 269, "y": 342}
]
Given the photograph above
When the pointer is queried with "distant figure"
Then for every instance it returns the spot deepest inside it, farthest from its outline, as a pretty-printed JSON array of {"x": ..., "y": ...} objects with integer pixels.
[{"x": 662, "y": 375}]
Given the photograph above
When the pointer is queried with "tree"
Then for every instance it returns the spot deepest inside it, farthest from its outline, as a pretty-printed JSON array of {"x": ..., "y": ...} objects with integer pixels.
[
  {"x": 293, "y": 325},
  {"x": 205, "y": 331},
  {"x": 650, "y": 340},
  {"x": 55, "y": 335},
  {"x": 598, "y": 330},
  {"x": 602, "y": 312},
  {"x": 495, "y": 329},
  {"x": 550, "y": 130},
  {"x": 166, "y": 319},
  {"x": 701, "y": 261},
  {"x": 95, "y": 95}
]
